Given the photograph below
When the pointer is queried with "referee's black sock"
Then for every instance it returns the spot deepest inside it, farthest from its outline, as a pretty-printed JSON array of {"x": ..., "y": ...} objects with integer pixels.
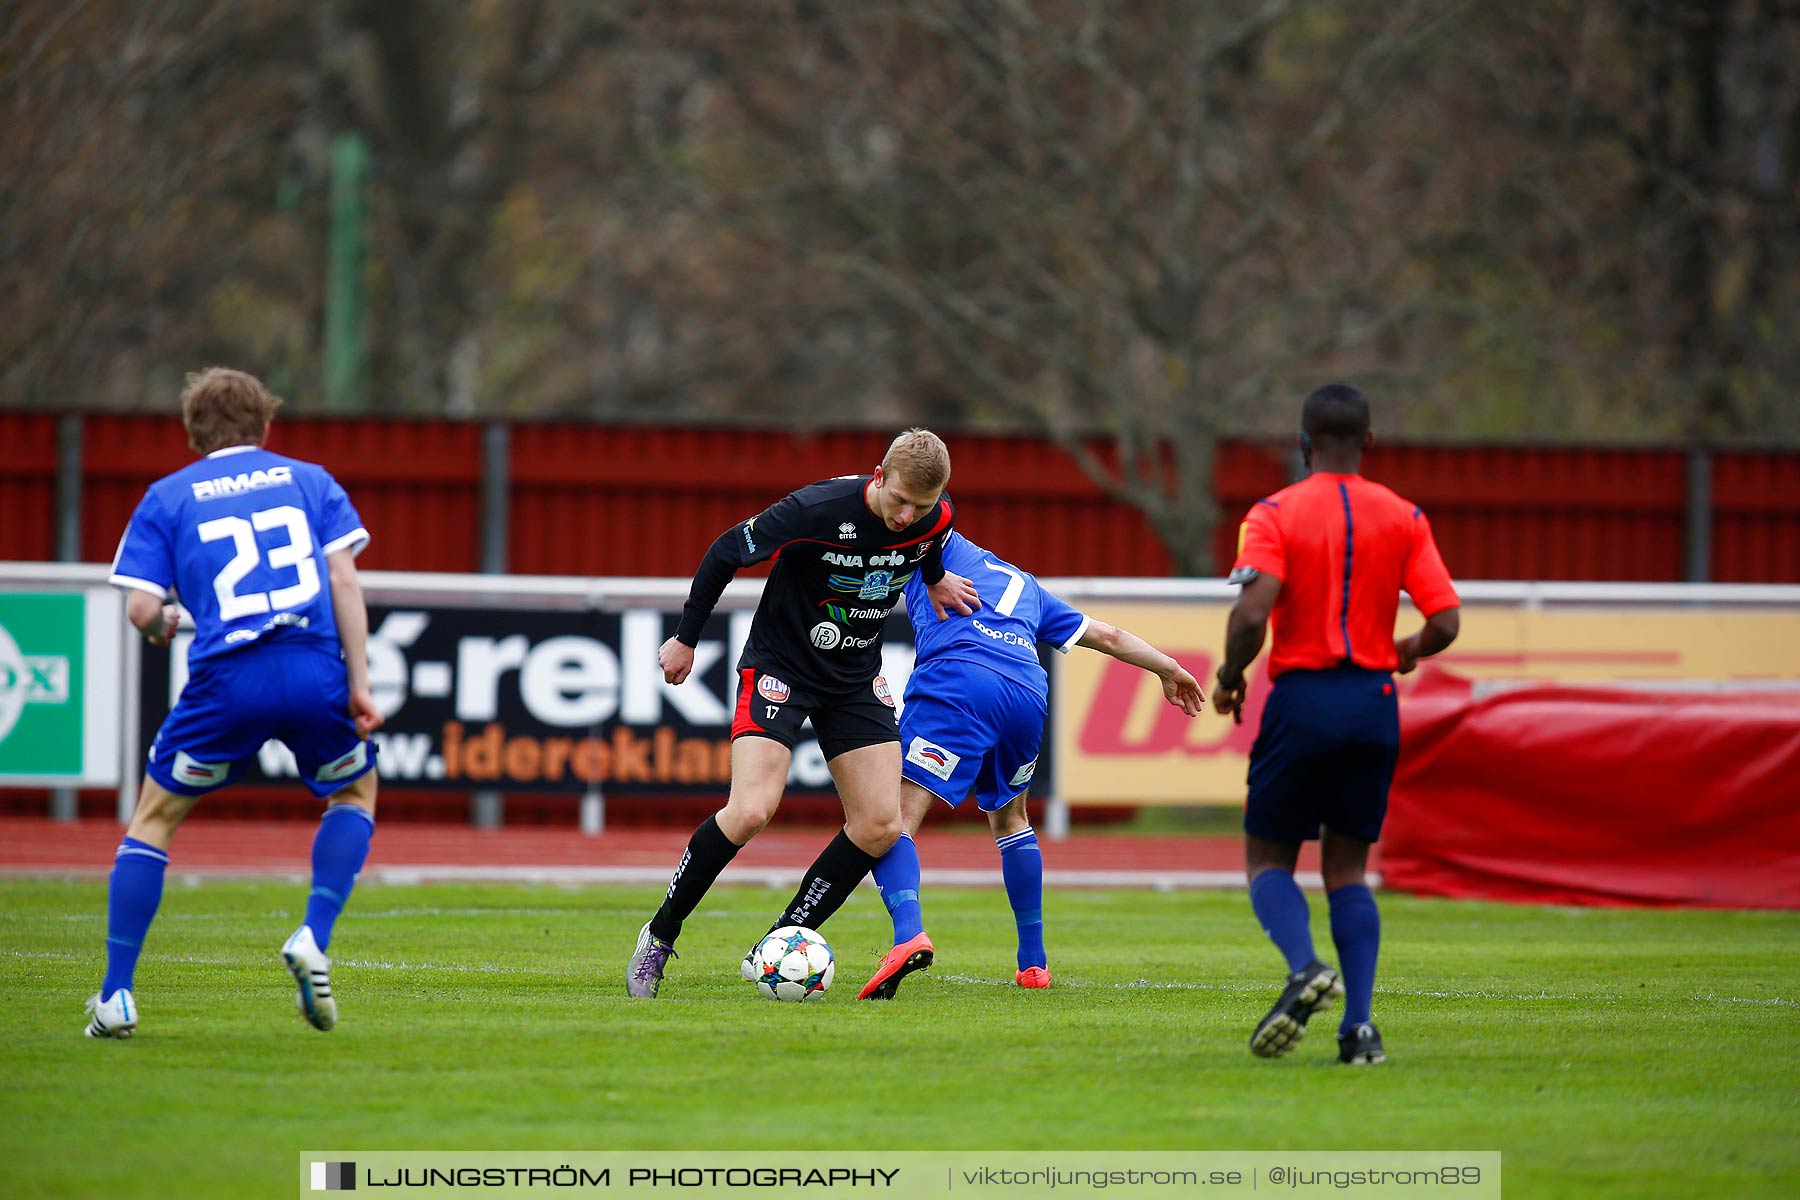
[
  {"x": 828, "y": 883},
  {"x": 706, "y": 855}
]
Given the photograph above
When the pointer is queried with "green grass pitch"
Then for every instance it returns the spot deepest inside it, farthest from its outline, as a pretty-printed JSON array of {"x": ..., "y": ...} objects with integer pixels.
[{"x": 1605, "y": 1052}]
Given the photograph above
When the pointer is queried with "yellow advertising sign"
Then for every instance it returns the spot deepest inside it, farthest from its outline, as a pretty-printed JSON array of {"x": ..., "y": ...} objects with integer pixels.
[{"x": 1117, "y": 742}]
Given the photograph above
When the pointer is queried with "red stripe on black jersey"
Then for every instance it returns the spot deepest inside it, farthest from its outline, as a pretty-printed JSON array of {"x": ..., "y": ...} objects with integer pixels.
[{"x": 943, "y": 522}]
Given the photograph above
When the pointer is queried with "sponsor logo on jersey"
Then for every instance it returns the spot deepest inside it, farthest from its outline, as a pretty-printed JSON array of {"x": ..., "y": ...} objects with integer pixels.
[
  {"x": 876, "y": 585},
  {"x": 883, "y": 692},
  {"x": 847, "y": 532},
  {"x": 1023, "y": 775},
  {"x": 244, "y": 481},
  {"x": 749, "y": 540},
  {"x": 773, "y": 690},
  {"x": 826, "y": 635},
  {"x": 892, "y": 559},
  {"x": 1003, "y": 635},
  {"x": 836, "y": 610},
  {"x": 921, "y": 550},
  {"x": 842, "y": 560},
  {"x": 933, "y": 758},
  {"x": 349, "y": 764}
]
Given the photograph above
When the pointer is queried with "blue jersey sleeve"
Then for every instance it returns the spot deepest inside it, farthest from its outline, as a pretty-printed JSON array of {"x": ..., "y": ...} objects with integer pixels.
[
  {"x": 1058, "y": 624},
  {"x": 340, "y": 527},
  {"x": 146, "y": 558}
]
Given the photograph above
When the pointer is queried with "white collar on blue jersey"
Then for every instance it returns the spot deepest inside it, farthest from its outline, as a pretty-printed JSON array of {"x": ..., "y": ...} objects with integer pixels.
[{"x": 232, "y": 450}]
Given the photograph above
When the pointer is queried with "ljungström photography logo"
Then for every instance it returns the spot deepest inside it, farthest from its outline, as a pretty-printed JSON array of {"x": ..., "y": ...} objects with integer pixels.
[{"x": 334, "y": 1177}]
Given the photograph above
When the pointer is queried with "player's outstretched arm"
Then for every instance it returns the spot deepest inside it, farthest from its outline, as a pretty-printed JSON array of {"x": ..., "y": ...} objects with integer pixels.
[
  {"x": 155, "y": 620},
  {"x": 1179, "y": 687},
  {"x": 353, "y": 634},
  {"x": 1245, "y": 630}
]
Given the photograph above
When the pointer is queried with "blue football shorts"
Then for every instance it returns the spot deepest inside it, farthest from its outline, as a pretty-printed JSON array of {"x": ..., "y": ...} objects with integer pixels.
[
  {"x": 1324, "y": 755},
  {"x": 298, "y": 695},
  {"x": 967, "y": 729}
]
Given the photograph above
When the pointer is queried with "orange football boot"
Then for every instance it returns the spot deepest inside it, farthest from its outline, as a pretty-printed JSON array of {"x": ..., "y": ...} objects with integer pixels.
[
  {"x": 896, "y": 965},
  {"x": 1033, "y": 977}
]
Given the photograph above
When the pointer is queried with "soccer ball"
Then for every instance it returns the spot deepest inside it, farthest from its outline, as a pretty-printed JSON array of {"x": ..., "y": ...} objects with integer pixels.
[{"x": 793, "y": 964}]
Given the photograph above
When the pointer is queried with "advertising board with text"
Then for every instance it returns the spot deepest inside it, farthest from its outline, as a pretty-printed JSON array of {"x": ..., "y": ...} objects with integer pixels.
[
  {"x": 59, "y": 687},
  {"x": 520, "y": 700},
  {"x": 1118, "y": 743}
]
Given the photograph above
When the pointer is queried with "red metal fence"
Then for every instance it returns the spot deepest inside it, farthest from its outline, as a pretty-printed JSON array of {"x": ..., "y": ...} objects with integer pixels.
[{"x": 601, "y": 500}]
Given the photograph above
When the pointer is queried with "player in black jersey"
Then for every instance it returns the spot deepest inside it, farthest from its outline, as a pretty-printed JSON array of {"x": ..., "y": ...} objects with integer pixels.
[{"x": 844, "y": 549}]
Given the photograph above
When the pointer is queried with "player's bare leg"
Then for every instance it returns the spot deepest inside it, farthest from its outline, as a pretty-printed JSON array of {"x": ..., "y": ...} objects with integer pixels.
[
  {"x": 1356, "y": 930},
  {"x": 914, "y": 951},
  {"x": 1022, "y": 868},
  {"x": 349, "y": 814},
  {"x": 759, "y": 771},
  {"x": 868, "y": 781},
  {"x": 159, "y": 814},
  {"x": 1311, "y": 987}
]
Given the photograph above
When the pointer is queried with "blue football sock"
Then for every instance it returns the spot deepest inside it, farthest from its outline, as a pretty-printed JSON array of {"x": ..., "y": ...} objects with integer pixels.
[
  {"x": 339, "y": 849},
  {"x": 1281, "y": 907},
  {"x": 132, "y": 897},
  {"x": 1022, "y": 867},
  {"x": 897, "y": 875},
  {"x": 1356, "y": 928}
]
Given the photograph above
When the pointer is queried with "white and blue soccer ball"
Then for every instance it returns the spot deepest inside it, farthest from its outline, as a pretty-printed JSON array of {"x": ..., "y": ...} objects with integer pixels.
[{"x": 793, "y": 963}]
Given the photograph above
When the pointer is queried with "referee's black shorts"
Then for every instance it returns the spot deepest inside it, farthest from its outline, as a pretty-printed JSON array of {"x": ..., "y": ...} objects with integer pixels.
[{"x": 1325, "y": 755}]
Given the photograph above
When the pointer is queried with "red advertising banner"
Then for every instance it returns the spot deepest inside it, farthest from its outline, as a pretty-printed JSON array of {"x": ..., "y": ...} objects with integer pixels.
[{"x": 1597, "y": 795}]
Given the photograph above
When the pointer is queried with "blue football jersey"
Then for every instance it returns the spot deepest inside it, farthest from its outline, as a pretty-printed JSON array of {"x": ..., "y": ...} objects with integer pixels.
[
  {"x": 241, "y": 536},
  {"x": 1016, "y": 614}
]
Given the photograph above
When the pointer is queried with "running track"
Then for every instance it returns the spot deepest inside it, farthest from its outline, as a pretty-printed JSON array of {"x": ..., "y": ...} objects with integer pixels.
[{"x": 416, "y": 853}]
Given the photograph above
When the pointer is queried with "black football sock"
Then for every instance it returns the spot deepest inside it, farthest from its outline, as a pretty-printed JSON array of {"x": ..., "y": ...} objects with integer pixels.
[
  {"x": 828, "y": 883},
  {"x": 706, "y": 855}
]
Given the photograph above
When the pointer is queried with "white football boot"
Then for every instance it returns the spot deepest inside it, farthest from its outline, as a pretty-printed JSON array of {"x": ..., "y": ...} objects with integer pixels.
[
  {"x": 312, "y": 972},
  {"x": 114, "y": 1018}
]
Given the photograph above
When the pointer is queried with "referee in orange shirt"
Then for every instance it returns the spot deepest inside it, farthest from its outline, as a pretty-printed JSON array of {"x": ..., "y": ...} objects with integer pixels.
[{"x": 1325, "y": 560}]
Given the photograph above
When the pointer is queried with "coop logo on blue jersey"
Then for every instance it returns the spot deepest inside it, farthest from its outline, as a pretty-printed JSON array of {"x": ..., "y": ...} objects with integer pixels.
[{"x": 933, "y": 758}]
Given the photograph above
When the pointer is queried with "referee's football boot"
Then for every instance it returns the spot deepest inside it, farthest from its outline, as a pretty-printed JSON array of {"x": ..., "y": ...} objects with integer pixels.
[
  {"x": 116, "y": 1017},
  {"x": 897, "y": 964},
  {"x": 312, "y": 975},
  {"x": 1311, "y": 989},
  {"x": 644, "y": 976},
  {"x": 1361, "y": 1045}
]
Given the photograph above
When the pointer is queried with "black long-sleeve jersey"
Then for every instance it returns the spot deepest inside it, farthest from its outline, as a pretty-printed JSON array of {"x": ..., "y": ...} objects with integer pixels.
[{"x": 839, "y": 570}]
